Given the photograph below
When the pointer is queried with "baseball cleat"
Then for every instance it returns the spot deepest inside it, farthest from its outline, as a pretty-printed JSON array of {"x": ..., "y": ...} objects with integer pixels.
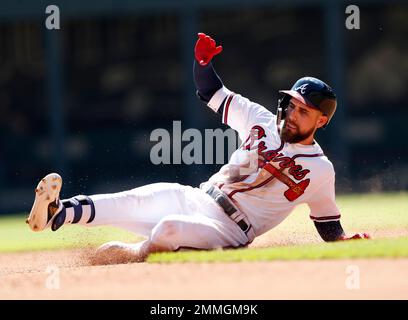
[
  {"x": 116, "y": 252},
  {"x": 46, "y": 202}
]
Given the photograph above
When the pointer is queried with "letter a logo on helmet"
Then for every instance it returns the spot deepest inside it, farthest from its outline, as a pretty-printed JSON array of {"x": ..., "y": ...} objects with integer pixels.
[
  {"x": 302, "y": 88},
  {"x": 313, "y": 93}
]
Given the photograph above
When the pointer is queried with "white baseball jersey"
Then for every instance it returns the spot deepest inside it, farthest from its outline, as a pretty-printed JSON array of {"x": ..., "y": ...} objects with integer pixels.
[{"x": 267, "y": 178}]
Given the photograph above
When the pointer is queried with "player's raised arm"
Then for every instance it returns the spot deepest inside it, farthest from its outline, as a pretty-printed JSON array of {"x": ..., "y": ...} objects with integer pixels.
[
  {"x": 206, "y": 79},
  {"x": 236, "y": 111}
]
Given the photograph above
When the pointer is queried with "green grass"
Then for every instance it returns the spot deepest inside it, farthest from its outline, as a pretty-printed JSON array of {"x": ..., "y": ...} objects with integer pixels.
[
  {"x": 382, "y": 211},
  {"x": 388, "y": 211},
  {"x": 382, "y": 248}
]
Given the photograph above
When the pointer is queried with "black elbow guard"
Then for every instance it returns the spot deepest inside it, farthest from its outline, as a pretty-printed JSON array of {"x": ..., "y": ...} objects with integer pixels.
[
  {"x": 201, "y": 98},
  {"x": 329, "y": 231}
]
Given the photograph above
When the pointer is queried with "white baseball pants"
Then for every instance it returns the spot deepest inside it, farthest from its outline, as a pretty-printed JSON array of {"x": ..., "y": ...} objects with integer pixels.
[{"x": 171, "y": 215}]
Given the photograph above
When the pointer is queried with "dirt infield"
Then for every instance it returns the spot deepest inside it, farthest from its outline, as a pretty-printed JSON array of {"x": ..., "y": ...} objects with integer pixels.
[{"x": 25, "y": 276}]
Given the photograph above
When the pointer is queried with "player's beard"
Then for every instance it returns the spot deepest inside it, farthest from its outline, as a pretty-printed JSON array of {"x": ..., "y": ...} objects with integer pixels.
[{"x": 294, "y": 136}]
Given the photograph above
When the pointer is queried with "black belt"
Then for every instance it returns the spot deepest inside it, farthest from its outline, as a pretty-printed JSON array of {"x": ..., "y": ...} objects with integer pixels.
[{"x": 223, "y": 201}]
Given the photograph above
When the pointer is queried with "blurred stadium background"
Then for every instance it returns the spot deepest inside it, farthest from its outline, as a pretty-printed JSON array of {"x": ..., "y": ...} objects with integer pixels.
[{"x": 84, "y": 99}]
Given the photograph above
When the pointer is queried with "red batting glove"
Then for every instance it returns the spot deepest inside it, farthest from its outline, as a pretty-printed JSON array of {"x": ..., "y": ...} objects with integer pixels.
[
  {"x": 205, "y": 49},
  {"x": 357, "y": 236}
]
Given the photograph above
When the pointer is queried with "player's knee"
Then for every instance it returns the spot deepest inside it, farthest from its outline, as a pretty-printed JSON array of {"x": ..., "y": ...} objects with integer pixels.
[{"x": 166, "y": 232}]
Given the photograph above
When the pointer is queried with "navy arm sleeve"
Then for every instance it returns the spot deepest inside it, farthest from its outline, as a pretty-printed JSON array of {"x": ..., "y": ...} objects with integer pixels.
[
  {"x": 330, "y": 231},
  {"x": 207, "y": 82}
]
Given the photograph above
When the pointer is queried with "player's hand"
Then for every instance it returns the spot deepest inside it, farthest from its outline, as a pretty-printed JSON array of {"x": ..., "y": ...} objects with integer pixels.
[
  {"x": 357, "y": 236},
  {"x": 205, "y": 49}
]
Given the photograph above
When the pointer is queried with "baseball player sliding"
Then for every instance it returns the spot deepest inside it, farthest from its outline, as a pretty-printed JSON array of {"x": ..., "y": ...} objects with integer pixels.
[{"x": 278, "y": 166}]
